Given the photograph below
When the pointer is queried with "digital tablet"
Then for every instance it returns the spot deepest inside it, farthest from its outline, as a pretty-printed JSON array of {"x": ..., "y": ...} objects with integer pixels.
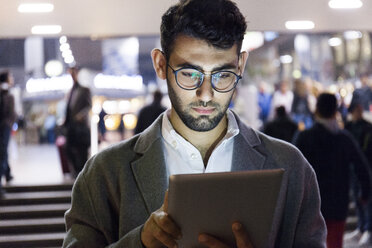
[{"x": 211, "y": 202}]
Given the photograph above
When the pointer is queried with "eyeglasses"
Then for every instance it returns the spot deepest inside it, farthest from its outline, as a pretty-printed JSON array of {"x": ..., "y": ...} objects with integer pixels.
[{"x": 190, "y": 79}]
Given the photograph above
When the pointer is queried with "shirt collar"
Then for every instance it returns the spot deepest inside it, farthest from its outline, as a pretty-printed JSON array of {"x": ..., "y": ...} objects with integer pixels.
[{"x": 170, "y": 135}]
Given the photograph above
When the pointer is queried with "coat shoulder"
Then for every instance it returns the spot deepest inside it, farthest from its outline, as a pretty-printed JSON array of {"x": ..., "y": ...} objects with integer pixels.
[{"x": 285, "y": 154}]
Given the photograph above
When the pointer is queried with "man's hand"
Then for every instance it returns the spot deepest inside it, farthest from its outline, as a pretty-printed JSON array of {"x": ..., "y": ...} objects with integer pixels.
[
  {"x": 241, "y": 238},
  {"x": 160, "y": 229}
]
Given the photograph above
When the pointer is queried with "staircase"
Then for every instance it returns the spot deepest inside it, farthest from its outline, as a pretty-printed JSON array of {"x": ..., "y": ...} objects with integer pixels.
[
  {"x": 32, "y": 216},
  {"x": 352, "y": 219}
]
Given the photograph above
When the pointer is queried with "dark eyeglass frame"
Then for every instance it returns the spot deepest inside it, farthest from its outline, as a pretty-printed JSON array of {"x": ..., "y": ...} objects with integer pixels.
[{"x": 238, "y": 77}]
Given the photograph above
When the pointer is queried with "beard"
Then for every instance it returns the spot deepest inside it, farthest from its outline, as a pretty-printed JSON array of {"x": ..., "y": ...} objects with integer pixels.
[{"x": 202, "y": 123}]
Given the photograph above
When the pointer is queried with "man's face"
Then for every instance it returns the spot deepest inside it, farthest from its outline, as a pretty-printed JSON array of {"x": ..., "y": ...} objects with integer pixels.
[{"x": 201, "y": 109}]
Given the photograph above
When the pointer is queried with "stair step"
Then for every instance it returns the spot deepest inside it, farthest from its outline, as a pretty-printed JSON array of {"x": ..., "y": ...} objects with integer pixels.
[
  {"x": 25, "y": 198},
  {"x": 34, "y": 211},
  {"x": 32, "y": 240},
  {"x": 351, "y": 223},
  {"x": 45, "y": 225},
  {"x": 31, "y": 188}
]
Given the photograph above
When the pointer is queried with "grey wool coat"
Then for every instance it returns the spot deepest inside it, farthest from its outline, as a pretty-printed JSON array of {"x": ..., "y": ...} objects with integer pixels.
[{"x": 121, "y": 186}]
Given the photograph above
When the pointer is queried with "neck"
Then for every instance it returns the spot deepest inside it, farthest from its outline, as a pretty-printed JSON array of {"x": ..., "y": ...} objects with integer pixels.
[{"x": 205, "y": 142}]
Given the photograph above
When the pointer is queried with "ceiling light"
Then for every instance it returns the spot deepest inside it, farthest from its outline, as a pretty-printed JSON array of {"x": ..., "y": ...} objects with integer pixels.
[
  {"x": 345, "y": 4},
  {"x": 35, "y": 7},
  {"x": 53, "y": 68},
  {"x": 299, "y": 25},
  {"x": 64, "y": 47},
  {"x": 46, "y": 29},
  {"x": 62, "y": 39},
  {"x": 286, "y": 59},
  {"x": 66, "y": 53},
  {"x": 352, "y": 35},
  {"x": 335, "y": 41},
  {"x": 296, "y": 74},
  {"x": 69, "y": 59}
]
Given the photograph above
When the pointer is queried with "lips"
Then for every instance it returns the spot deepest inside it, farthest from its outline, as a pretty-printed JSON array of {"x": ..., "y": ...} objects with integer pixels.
[{"x": 203, "y": 110}]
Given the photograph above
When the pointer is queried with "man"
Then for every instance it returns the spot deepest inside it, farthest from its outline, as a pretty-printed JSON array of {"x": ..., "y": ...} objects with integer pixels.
[
  {"x": 7, "y": 118},
  {"x": 283, "y": 96},
  {"x": 119, "y": 198},
  {"x": 149, "y": 113},
  {"x": 77, "y": 123},
  {"x": 331, "y": 151},
  {"x": 363, "y": 95},
  {"x": 282, "y": 126},
  {"x": 362, "y": 132}
]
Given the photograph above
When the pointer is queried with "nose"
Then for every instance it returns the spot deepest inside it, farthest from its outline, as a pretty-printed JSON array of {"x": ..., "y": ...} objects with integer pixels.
[{"x": 205, "y": 91}]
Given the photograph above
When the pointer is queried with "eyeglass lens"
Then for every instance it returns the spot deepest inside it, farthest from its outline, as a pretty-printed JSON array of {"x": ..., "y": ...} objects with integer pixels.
[{"x": 190, "y": 78}]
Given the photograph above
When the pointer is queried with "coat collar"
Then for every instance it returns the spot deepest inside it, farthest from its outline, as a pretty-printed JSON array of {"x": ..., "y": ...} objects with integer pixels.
[
  {"x": 150, "y": 170},
  {"x": 246, "y": 156}
]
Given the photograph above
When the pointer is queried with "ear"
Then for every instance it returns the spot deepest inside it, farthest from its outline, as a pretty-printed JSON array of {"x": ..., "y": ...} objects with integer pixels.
[
  {"x": 242, "y": 61},
  {"x": 160, "y": 63}
]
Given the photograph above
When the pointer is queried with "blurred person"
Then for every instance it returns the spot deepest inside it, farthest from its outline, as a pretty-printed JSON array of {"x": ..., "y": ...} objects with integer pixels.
[
  {"x": 300, "y": 111},
  {"x": 77, "y": 123},
  {"x": 362, "y": 132},
  {"x": 117, "y": 200},
  {"x": 264, "y": 102},
  {"x": 283, "y": 96},
  {"x": 331, "y": 150},
  {"x": 246, "y": 105},
  {"x": 7, "y": 118},
  {"x": 101, "y": 126},
  {"x": 342, "y": 109},
  {"x": 50, "y": 126},
  {"x": 149, "y": 113},
  {"x": 313, "y": 89},
  {"x": 282, "y": 126},
  {"x": 363, "y": 95}
]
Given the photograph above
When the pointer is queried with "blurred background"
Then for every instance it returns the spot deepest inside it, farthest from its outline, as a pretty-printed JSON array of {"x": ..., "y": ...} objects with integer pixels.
[{"x": 325, "y": 44}]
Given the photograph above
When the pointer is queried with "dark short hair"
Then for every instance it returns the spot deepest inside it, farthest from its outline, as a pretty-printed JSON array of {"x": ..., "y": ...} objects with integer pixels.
[
  {"x": 218, "y": 22},
  {"x": 326, "y": 105},
  {"x": 157, "y": 96},
  {"x": 4, "y": 76},
  {"x": 280, "y": 111}
]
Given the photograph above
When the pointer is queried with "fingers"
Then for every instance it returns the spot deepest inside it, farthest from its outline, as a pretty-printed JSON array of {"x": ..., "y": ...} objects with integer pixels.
[
  {"x": 164, "y": 238},
  {"x": 210, "y": 241},
  {"x": 160, "y": 229},
  {"x": 241, "y": 236},
  {"x": 164, "y": 222}
]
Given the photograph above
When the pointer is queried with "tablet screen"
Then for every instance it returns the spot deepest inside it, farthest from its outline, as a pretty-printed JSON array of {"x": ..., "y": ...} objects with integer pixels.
[{"x": 211, "y": 202}]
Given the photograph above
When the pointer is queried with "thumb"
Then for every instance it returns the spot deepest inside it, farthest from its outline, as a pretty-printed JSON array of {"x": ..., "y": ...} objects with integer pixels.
[{"x": 165, "y": 204}]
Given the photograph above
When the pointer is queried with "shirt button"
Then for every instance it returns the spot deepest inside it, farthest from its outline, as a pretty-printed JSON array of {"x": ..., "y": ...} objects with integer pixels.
[
  {"x": 193, "y": 156},
  {"x": 174, "y": 143}
]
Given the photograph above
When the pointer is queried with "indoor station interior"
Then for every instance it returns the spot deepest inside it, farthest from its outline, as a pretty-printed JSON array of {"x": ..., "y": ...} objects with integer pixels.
[{"x": 328, "y": 49}]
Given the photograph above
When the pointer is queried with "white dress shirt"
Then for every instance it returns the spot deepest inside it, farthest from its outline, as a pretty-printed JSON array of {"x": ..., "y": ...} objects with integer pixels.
[{"x": 181, "y": 157}]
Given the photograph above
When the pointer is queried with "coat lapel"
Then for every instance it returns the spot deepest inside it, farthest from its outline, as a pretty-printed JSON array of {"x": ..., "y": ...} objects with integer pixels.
[
  {"x": 149, "y": 169},
  {"x": 245, "y": 155}
]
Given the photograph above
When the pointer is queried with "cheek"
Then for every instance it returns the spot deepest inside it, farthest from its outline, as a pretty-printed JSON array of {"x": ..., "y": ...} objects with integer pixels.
[{"x": 223, "y": 98}]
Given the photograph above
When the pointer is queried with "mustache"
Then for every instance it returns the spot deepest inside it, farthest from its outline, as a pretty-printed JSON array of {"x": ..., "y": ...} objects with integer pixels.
[{"x": 204, "y": 104}]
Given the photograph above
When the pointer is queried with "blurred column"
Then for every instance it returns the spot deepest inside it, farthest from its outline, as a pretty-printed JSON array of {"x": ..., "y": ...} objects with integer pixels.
[{"x": 34, "y": 57}]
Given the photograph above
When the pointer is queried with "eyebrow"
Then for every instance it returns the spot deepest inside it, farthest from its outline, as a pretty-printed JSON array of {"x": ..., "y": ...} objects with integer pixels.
[{"x": 199, "y": 68}]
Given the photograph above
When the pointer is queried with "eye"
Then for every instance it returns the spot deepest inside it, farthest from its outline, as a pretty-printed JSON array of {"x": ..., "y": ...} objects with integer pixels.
[
  {"x": 190, "y": 74},
  {"x": 224, "y": 75}
]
